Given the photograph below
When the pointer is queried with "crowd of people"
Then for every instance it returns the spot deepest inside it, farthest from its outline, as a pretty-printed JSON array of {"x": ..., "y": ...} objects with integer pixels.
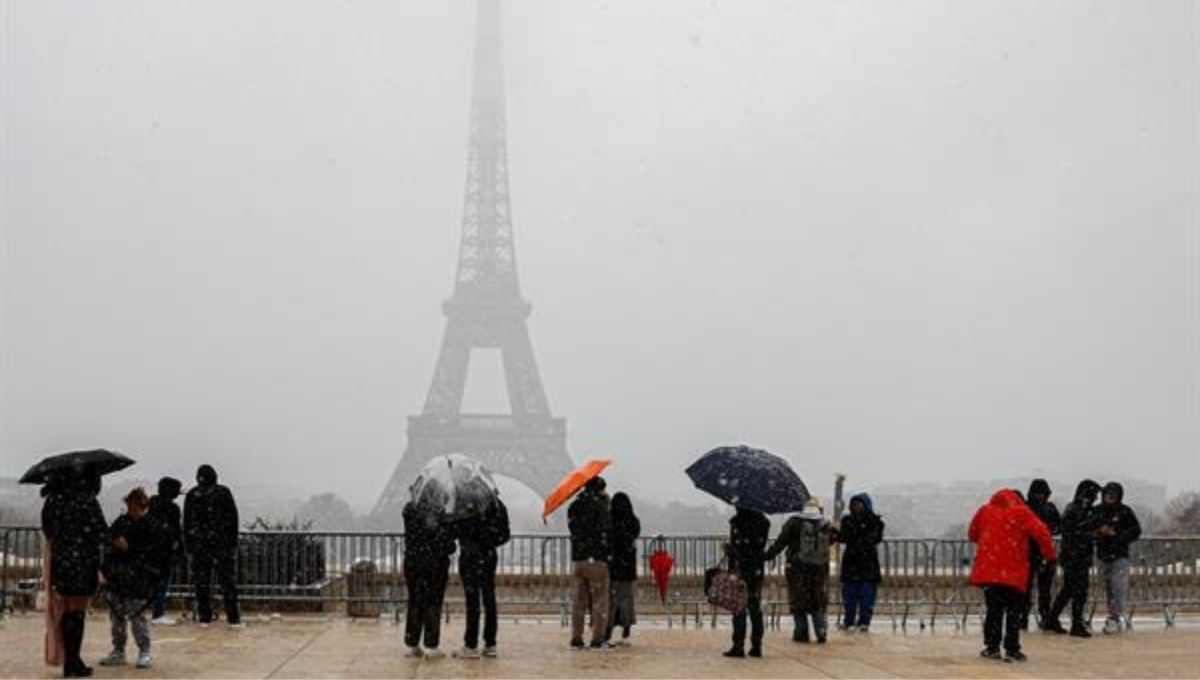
[{"x": 131, "y": 560}]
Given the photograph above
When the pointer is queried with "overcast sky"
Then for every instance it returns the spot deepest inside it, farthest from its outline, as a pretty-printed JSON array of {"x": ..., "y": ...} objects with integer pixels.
[{"x": 904, "y": 240}]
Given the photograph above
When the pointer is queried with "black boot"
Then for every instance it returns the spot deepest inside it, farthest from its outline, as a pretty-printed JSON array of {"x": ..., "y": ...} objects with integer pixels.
[{"x": 72, "y": 634}]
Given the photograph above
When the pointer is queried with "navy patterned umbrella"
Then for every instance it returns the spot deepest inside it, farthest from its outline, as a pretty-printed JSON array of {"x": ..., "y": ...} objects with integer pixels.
[{"x": 749, "y": 478}]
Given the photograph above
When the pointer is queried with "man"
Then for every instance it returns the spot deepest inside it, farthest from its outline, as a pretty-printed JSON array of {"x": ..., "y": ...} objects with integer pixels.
[
  {"x": 807, "y": 538},
  {"x": 1040, "y": 569},
  {"x": 210, "y": 529},
  {"x": 478, "y": 538},
  {"x": 1117, "y": 527},
  {"x": 1002, "y": 530},
  {"x": 166, "y": 514},
  {"x": 589, "y": 522},
  {"x": 748, "y": 530},
  {"x": 1078, "y": 543}
]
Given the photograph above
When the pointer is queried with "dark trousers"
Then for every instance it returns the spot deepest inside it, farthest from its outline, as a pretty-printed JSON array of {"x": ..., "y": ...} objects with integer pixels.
[
  {"x": 1074, "y": 591},
  {"x": 858, "y": 603},
  {"x": 1041, "y": 581},
  {"x": 1004, "y": 608},
  {"x": 754, "y": 610},
  {"x": 161, "y": 586},
  {"x": 426, "y": 585},
  {"x": 224, "y": 562},
  {"x": 478, "y": 573}
]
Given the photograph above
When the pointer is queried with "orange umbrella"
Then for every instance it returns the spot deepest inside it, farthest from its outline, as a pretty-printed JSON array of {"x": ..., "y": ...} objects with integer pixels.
[{"x": 571, "y": 484}]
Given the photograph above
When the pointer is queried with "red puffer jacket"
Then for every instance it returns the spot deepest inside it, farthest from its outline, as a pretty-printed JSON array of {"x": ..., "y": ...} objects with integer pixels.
[{"x": 1001, "y": 531}]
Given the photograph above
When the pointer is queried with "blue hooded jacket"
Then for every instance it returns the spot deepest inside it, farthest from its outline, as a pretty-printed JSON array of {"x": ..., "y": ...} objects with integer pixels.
[{"x": 861, "y": 535}]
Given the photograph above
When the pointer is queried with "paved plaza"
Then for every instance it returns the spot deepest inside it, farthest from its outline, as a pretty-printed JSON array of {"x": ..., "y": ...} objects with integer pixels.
[{"x": 312, "y": 647}]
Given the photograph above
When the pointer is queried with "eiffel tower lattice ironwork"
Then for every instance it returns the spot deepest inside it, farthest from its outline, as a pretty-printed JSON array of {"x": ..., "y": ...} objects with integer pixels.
[{"x": 485, "y": 311}]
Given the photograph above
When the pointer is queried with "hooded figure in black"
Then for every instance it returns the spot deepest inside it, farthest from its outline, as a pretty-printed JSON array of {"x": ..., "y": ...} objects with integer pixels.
[
  {"x": 1041, "y": 570},
  {"x": 74, "y": 525},
  {"x": 478, "y": 539},
  {"x": 166, "y": 513},
  {"x": 1117, "y": 527},
  {"x": 210, "y": 530},
  {"x": 748, "y": 531},
  {"x": 1078, "y": 529},
  {"x": 861, "y": 531},
  {"x": 428, "y": 545},
  {"x": 622, "y": 566}
]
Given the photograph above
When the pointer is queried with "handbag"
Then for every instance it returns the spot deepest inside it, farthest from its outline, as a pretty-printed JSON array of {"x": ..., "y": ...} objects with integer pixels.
[{"x": 724, "y": 588}]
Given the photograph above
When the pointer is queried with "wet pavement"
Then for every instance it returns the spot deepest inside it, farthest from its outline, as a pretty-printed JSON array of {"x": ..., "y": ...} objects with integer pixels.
[{"x": 339, "y": 647}]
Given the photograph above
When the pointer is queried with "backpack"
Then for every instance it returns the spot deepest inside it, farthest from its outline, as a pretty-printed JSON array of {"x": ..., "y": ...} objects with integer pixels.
[{"x": 814, "y": 543}]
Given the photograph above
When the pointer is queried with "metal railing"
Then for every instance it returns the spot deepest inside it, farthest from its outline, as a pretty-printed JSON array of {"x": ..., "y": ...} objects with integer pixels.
[{"x": 923, "y": 579}]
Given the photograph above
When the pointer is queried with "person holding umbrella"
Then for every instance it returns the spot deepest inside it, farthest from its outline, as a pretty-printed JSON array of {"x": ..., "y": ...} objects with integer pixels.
[
  {"x": 428, "y": 545},
  {"x": 478, "y": 538},
  {"x": 748, "y": 531},
  {"x": 590, "y": 524}
]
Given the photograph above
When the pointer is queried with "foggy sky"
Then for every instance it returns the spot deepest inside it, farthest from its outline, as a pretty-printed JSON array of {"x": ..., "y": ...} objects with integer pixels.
[{"x": 903, "y": 240}]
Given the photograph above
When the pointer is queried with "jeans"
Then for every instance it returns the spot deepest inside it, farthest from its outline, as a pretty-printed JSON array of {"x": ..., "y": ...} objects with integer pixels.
[
  {"x": 820, "y": 624},
  {"x": 1004, "y": 608},
  {"x": 754, "y": 610},
  {"x": 858, "y": 600},
  {"x": 426, "y": 584},
  {"x": 1075, "y": 591},
  {"x": 203, "y": 565},
  {"x": 131, "y": 610},
  {"x": 1116, "y": 586},
  {"x": 478, "y": 573},
  {"x": 591, "y": 585}
]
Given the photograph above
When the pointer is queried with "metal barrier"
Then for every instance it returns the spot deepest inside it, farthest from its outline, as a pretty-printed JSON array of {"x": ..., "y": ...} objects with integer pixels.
[{"x": 924, "y": 579}]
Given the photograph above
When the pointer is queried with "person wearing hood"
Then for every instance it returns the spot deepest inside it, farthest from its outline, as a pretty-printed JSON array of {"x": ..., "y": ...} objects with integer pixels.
[
  {"x": 428, "y": 545},
  {"x": 590, "y": 524},
  {"x": 748, "y": 533},
  {"x": 1078, "y": 543},
  {"x": 1002, "y": 531},
  {"x": 210, "y": 531},
  {"x": 74, "y": 526},
  {"x": 1116, "y": 527},
  {"x": 861, "y": 531},
  {"x": 1041, "y": 570},
  {"x": 807, "y": 538},
  {"x": 478, "y": 538},
  {"x": 167, "y": 515},
  {"x": 622, "y": 567}
]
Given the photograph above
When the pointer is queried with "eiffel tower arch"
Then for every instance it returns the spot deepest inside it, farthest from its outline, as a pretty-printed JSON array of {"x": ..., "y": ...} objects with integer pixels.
[{"x": 486, "y": 310}]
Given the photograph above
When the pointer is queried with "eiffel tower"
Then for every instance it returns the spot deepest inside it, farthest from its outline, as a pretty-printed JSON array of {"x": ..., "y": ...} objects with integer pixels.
[{"x": 485, "y": 311}]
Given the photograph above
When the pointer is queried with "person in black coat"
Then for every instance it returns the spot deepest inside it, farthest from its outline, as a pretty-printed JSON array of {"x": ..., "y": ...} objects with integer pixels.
[
  {"x": 861, "y": 531},
  {"x": 166, "y": 513},
  {"x": 74, "y": 525},
  {"x": 1117, "y": 527},
  {"x": 590, "y": 525},
  {"x": 1041, "y": 570},
  {"x": 210, "y": 530},
  {"x": 131, "y": 571},
  {"x": 478, "y": 538},
  {"x": 622, "y": 566},
  {"x": 748, "y": 532},
  {"x": 428, "y": 545},
  {"x": 1078, "y": 528}
]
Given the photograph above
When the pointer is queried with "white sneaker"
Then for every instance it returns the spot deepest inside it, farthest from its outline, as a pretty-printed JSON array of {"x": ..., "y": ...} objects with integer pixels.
[
  {"x": 114, "y": 658},
  {"x": 465, "y": 652},
  {"x": 237, "y": 626},
  {"x": 1112, "y": 627},
  {"x": 144, "y": 660},
  {"x": 434, "y": 653},
  {"x": 490, "y": 652},
  {"x": 413, "y": 652},
  {"x": 164, "y": 620}
]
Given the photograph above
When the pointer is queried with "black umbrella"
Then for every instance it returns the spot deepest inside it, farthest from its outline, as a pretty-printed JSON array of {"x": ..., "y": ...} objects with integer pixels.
[
  {"x": 750, "y": 478},
  {"x": 94, "y": 461}
]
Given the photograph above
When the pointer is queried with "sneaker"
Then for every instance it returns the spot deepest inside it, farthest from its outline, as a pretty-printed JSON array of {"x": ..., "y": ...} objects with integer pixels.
[
  {"x": 164, "y": 620},
  {"x": 236, "y": 625},
  {"x": 1015, "y": 657},
  {"x": 990, "y": 653},
  {"x": 490, "y": 652},
  {"x": 434, "y": 653},
  {"x": 413, "y": 652},
  {"x": 114, "y": 658},
  {"x": 144, "y": 660},
  {"x": 577, "y": 644},
  {"x": 1080, "y": 632},
  {"x": 864, "y": 628},
  {"x": 600, "y": 646},
  {"x": 465, "y": 652},
  {"x": 734, "y": 653},
  {"x": 1112, "y": 627}
]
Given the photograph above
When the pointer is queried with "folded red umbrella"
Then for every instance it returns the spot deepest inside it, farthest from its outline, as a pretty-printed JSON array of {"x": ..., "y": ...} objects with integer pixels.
[{"x": 661, "y": 563}]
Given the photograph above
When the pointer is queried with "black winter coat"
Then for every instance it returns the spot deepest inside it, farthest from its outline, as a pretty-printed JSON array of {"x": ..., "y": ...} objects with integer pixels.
[
  {"x": 1078, "y": 529},
  {"x": 590, "y": 526},
  {"x": 166, "y": 513},
  {"x": 74, "y": 524},
  {"x": 861, "y": 536},
  {"x": 428, "y": 544},
  {"x": 1123, "y": 520},
  {"x": 480, "y": 536},
  {"x": 1048, "y": 513},
  {"x": 134, "y": 572},
  {"x": 625, "y": 532},
  {"x": 210, "y": 519},
  {"x": 748, "y": 532}
]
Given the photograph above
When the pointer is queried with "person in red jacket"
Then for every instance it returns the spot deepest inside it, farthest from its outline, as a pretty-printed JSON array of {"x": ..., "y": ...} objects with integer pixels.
[{"x": 1001, "y": 531}]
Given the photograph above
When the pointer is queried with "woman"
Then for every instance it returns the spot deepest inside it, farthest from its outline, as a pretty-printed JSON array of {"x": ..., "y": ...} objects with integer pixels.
[
  {"x": 75, "y": 528},
  {"x": 861, "y": 532},
  {"x": 428, "y": 546},
  {"x": 131, "y": 572},
  {"x": 622, "y": 567}
]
